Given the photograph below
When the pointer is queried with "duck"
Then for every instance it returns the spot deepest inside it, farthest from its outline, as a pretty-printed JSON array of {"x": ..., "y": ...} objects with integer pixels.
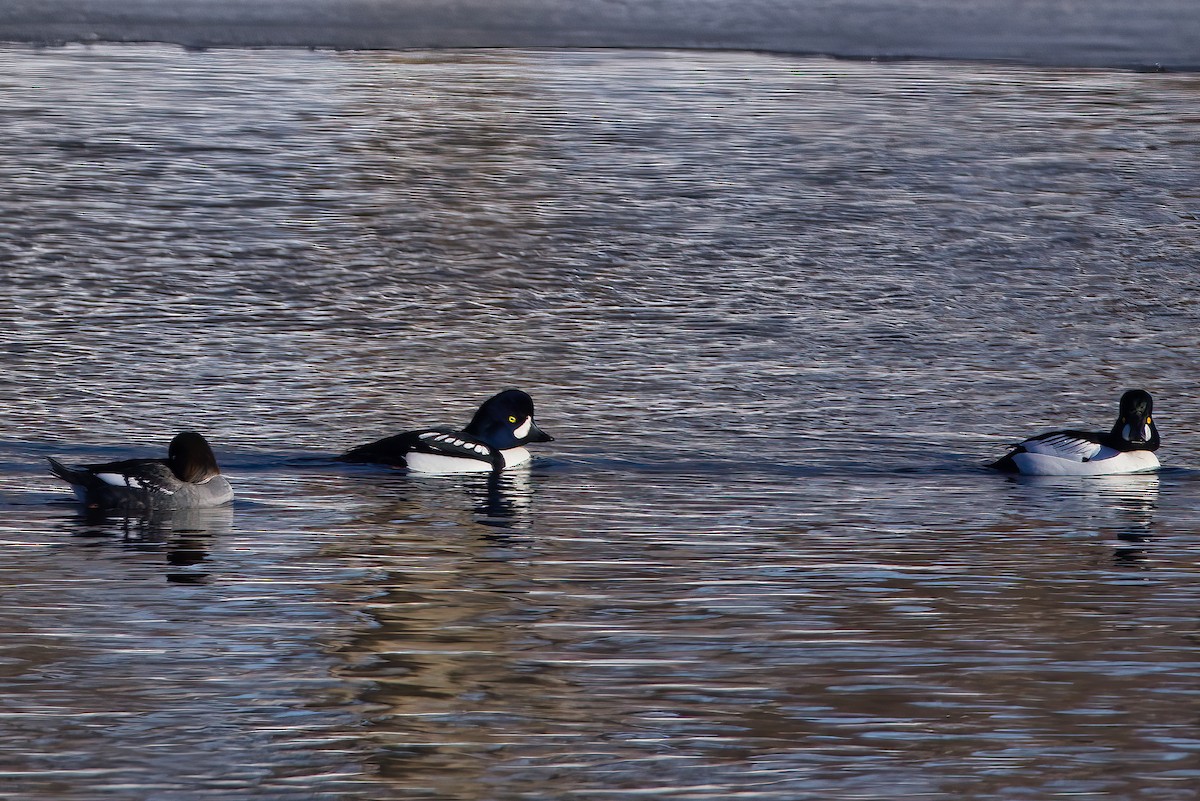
[
  {"x": 188, "y": 478},
  {"x": 494, "y": 440},
  {"x": 1128, "y": 448}
]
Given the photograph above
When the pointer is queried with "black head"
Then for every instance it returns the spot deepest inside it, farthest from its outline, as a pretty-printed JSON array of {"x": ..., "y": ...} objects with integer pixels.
[
  {"x": 506, "y": 421},
  {"x": 1134, "y": 423},
  {"x": 191, "y": 459}
]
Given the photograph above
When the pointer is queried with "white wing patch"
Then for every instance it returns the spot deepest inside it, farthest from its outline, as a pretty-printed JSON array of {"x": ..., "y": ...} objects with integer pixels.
[
  {"x": 119, "y": 480},
  {"x": 132, "y": 482},
  {"x": 1064, "y": 447},
  {"x": 450, "y": 439}
]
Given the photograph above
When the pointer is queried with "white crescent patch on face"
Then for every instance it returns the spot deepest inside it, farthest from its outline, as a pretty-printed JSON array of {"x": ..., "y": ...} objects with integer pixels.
[
  {"x": 1128, "y": 433},
  {"x": 523, "y": 429}
]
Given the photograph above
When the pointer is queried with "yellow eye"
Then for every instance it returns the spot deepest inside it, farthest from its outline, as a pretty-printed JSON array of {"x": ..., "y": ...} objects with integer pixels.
[{"x": 512, "y": 419}]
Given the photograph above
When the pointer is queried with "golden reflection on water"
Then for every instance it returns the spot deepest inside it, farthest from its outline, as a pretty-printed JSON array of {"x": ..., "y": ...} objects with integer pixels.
[{"x": 845, "y": 642}]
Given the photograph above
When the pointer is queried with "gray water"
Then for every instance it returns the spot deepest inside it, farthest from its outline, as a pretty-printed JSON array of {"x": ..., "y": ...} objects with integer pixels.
[
  {"x": 1109, "y": 33},
  {"x": 778, "y": 312}
]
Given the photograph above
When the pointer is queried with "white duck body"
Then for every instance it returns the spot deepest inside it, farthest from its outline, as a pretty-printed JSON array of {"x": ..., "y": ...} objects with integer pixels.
[
  {"x": 1065, "y": 455},
  {"x": 1128, "y": 448}
]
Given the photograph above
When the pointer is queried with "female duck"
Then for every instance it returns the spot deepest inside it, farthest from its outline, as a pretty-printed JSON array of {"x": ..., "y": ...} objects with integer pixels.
[
  {"x": 1128, "y": 448},
  {"x": 187, "y": 479}
]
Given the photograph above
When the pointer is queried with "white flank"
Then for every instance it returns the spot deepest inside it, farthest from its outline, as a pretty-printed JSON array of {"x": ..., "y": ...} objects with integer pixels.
[
  {"x": 515, "y": 457},
  {"x": 437, "y": 463},
  {"x": 1107, "y": 462}
]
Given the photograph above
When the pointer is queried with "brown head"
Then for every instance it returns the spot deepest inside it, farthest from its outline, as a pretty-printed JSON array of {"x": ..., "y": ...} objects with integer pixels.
[{"x": 191, "y": 459}]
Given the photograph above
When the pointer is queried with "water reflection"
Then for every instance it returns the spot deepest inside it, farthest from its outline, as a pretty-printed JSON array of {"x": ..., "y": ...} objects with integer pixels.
[
  {"x": 185, "y": 537},
  {"x": 1133, "y": 501},
  {"x": 504, "y": 502},
  {"x": 1120, "y": 509},
  {"x": 496, "y": 505}
]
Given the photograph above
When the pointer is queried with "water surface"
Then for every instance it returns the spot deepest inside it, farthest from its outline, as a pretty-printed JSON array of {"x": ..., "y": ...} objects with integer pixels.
[
  {"x": 777, "y": 312},
  {"x": 1149, "y": 34}
]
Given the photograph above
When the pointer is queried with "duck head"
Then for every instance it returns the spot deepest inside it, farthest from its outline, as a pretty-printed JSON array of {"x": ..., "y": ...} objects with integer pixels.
[
  {"x": 1134, "y": 423},
  {"x": 191, "y": 459},
  {"x": 506, "y": 421}
]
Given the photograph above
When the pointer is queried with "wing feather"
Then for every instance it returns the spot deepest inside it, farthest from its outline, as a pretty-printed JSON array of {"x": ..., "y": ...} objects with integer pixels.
[
  {"x": 1076, "y": 445},
  {"x": 436, "y": 441},
  {"x": 454, "y": 444}
]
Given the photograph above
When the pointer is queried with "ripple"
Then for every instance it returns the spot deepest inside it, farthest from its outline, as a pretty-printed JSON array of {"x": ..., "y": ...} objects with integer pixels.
[{"x": 777, "y": 312}]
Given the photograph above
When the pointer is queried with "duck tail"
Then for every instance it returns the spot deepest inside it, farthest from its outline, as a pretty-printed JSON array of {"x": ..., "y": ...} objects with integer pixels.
[
  {"x": 1006, "y": 463},
  {"x": 65, "y": 473}
]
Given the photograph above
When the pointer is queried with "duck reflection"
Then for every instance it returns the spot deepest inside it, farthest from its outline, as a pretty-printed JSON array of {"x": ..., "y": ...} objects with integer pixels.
[
  {"x": 451, "y": 615},
  {"x": 1121, "y": 508},
  {"x": 184, "y": 536},
  {"x": 1132, "y": 500},
  {"x": 498, "y": 506},
  {"x": 503, "y": 503}
]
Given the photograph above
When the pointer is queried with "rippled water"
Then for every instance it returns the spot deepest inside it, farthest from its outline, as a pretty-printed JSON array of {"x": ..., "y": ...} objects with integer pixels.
[
  {"x": 777, "y": 312},
  {"x": 1096, "y": 33}
]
